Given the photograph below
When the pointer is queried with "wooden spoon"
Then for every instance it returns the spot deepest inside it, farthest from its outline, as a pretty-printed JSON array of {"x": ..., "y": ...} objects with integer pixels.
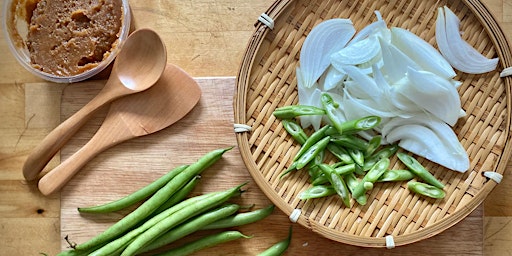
[
  {"x": 169, "y": 100},
  {"x": 138, "y": 66}
]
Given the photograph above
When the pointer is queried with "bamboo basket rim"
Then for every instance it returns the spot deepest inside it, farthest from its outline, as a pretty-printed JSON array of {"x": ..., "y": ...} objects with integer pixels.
[{"x": 278, "y": 11}]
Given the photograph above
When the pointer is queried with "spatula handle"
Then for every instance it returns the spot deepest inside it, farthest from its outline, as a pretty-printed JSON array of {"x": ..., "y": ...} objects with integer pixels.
[
  {"x": 54, "y": 180},
  {"x": 53, "y": 142}
]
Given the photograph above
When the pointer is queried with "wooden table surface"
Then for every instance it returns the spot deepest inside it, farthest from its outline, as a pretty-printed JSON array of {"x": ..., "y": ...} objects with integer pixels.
[{"x": 207, "y": 38}]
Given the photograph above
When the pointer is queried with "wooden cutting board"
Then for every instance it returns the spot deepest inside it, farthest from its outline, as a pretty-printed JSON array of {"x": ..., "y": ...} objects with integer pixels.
[{"x": 133, "y": 164}]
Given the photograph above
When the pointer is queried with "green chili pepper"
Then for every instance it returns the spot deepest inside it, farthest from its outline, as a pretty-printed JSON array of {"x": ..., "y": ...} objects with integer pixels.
[
  {"x": 419, "y": 170},
  {"x": 279, "y": 248},
  {"x": 426, "y": 189},
  {"x": 350, "y": 141},
  {"x": 295, "y": 131},
  {"x": 337, "y": 183},
  {"x": 371, "y": 176},
  {"x": 385, "y": 152},
  {"x": 317, "y": 191},
  {"x": 312, "y": 152},
  {"x": 293, "y": 111},
  {"x": 204, "y": 242},
  {"x": 396, "y": 175}
]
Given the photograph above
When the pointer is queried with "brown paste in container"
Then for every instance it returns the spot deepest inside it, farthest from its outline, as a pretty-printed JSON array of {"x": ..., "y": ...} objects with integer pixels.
[{"x": 69, "y": 37}]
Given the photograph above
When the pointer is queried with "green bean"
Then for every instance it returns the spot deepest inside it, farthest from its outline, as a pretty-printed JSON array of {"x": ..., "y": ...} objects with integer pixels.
[
  {"x": 75, "y": 252},
  {"x": 136, "y": 196},
  {"x": 373, "y": 144},
  {"x": 357, "y": 125},
  {"x": 292, "y": 111},
  {"x": 371, "y": 176},
  {"x": 385, "y": 152},
  {"x": 150, "y": 205},
  {"x": 179, "y": 195},
  {"x": 278, "y": 248},
  {"x": 367, "y": 185},
  {"x": 317, "y": 191},
  {"x": 119, "y": 244},
  {"x": 318, "y": 159},
  {"x": 330, "y": 107},
  {"x": 190, "y": 226},
  {"x": 332, "y": 131},
  {"x": 204, "y": 242},
  {"x": 426, "y": 189},
  {"x": 312, "y": 152},
  {"x": 418, "y": 169},
  {"x": 295, "y": 131},
  {"x": 337, "y": 183},
  {"x": 241, "y": 219},
  {"x": 357, "y": 156},
  {"x": 314, "y": 138},
  {"x": 396, "y": 175},
  {"x": 340, "y": 153},
  {"x": 350, "y": 141},
  {"x": 312, "y": 166},
  {"x": 351, "y": 181},
  {"x": 177, "y": 218},
  {"x": 340, "y": 170},
  {"x": 314, "y": 173}
]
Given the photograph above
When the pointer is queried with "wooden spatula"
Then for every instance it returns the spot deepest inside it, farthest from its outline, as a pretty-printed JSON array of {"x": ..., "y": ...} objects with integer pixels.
[{"x": 166, "y": 102}]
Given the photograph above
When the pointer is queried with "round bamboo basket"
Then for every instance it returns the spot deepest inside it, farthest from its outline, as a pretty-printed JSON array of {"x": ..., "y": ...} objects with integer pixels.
[{"x": 266, "y": 80}]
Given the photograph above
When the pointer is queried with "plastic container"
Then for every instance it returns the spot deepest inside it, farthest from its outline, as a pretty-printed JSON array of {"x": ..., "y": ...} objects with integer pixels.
[{"x": 15, "y": 26}]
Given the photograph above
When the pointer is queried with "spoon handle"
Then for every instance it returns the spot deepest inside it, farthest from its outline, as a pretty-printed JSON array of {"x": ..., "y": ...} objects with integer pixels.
[
  {"x": 53, "y": 142},
  {"x": 105, "y": 137}
]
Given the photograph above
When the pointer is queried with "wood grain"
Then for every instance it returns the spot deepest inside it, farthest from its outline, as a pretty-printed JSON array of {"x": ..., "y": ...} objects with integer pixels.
[{"x": 130, "y": 165}]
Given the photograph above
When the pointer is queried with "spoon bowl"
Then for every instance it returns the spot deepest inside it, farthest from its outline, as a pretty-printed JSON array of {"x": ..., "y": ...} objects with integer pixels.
[{"x": 138, "y": 66}]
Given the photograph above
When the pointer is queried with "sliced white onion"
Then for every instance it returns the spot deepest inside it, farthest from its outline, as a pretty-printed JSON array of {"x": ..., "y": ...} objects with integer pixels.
[
  {"x": 432, "y": 93},
  {"x": 433, "y": 140},
  {"x": 325, "y": 38},
  {"x": 395, "y": 61},
  {"x": 460, "y": 54},
  {"x": 357, "y": 53},
  {"x": 331, "y": 79},
  {"x": 377, "y": 28},
  {"x": 421, "y": 52}
]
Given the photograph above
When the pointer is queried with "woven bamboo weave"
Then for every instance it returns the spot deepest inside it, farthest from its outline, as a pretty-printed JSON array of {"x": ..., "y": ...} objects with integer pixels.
[{"x": 266, "y": 80}]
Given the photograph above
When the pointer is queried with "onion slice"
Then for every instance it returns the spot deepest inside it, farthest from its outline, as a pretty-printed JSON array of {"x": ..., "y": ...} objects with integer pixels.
[
  {"x": 459, "y": 53},
  {"x": 421, "y": 52},
  {"x": 427, "y": 136},
  {"x": 324, "y": 39}
]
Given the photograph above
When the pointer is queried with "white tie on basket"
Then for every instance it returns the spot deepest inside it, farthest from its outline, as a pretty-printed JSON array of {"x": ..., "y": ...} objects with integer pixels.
[
  {"x": 266, "y": 20},
  {"x": 239, "y": 128},
  {"x": 494, "y": 176},
  {"x": 294, "y": 216},
  {"x": 390, "y": 242}
]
